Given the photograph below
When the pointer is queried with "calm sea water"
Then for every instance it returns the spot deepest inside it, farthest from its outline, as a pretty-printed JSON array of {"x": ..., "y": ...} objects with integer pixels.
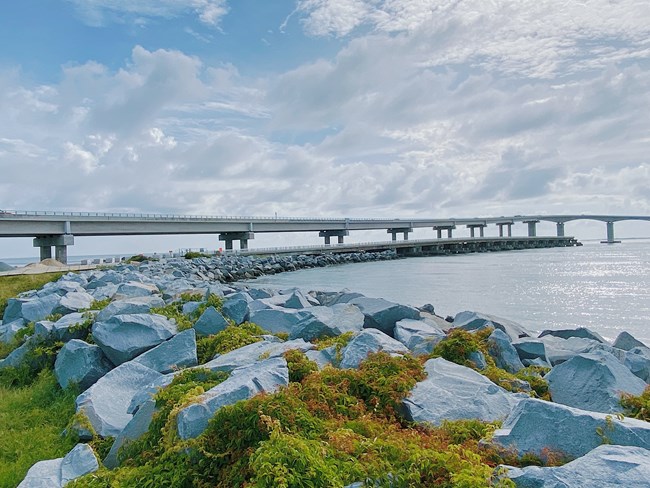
[{"x": 603, "y": 287}]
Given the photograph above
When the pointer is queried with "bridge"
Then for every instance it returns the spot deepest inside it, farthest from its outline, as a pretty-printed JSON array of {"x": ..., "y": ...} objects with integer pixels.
[{"x": 58, "y": 229}]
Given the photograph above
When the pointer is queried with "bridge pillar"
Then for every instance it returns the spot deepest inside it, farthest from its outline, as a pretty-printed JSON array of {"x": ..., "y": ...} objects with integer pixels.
[
  {"x": 328, "y": 234},
  {"x": 532, "y": 227},
  {"x": 404, "y": 230},
  {"x": 560, "y": 229},
  {"x": 501, "y": 225},
  {"x": 242, "y": 237},
  {"x": 440, "y": 228},
  {"x": 60, "y": 243},
  {"x": 472, "y": 228},
  {"x": 610, "y": 234}
]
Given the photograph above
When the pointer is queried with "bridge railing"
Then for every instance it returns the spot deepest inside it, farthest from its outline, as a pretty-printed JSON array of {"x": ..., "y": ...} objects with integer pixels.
[{"x": 154, "y": 216}]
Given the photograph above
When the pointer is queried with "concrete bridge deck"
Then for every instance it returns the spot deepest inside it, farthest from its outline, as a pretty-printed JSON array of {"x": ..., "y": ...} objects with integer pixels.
[{"x": 58, "y": 229}]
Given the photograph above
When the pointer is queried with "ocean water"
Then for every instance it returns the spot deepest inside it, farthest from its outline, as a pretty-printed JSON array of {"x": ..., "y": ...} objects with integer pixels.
[{"x": 603, "y": 287}]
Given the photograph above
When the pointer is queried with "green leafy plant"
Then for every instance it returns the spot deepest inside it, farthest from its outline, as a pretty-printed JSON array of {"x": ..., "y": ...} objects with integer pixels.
[
  {"x": 637, "y": 407},
  {"x": 231, "y": 338}
]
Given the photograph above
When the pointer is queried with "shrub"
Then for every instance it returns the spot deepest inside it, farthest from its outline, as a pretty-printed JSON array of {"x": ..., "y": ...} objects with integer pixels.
[
  {"x": 195, "y": 254},
  {"x": 637, "y": 407},
  {"x": 457, "y": 346},
  {"x": 299, "y": 365},
  {"x": 231, "y": 338}
]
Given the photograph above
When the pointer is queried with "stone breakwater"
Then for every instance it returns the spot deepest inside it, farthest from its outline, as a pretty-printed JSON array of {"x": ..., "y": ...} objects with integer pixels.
[{"x": 123, "y": 354}]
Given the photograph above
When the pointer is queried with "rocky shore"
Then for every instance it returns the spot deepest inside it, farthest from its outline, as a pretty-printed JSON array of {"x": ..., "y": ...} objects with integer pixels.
[{"x": 129, "y": 338}]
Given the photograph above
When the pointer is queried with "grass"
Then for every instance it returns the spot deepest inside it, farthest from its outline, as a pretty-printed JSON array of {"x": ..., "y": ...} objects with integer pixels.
[
  {"x": 31, "y": 422},
  {"x": 10, "y": 286}
]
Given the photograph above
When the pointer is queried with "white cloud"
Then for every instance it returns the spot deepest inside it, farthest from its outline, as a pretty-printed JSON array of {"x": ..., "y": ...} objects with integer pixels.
[{"x": 99, "y": 12}]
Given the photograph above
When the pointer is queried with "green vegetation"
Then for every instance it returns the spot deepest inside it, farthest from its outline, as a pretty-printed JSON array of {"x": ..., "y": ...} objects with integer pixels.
[
  {"x": 31, "y": 421},
  {"x": 329, "y": 429},
  {"x": 195, "y": 254},
  {"x": 10, "y": 286},
  {"x": 460, "y": 344},
  {"x": 637, "y": 407},
  {"x": 175, "y": 309},
  {"x": 140, "y": 258},
  {"x": 231, "y": 338},
  {"x": 99, "y": 304}
]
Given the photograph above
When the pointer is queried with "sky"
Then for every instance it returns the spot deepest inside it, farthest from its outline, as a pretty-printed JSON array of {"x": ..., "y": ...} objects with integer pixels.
[{"x": 325, "y": 108}]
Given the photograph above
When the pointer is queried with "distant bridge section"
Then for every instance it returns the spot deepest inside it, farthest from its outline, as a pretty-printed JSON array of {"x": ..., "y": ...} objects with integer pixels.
[{"x": 58, "y": 229}]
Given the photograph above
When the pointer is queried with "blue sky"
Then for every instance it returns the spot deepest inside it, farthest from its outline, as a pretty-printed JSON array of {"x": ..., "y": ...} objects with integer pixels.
[{"x": 325, "y": 107}]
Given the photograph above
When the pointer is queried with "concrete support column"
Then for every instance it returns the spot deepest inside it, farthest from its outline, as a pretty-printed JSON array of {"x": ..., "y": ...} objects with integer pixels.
[
  {"x": 610, "y": 234},
  {"x": 242, "y": 237},
  {"x": 440, "y": 228},
  {"x": 560, "y": 229},
  {"x": 532, "y": 227},
  {"x": 501, "y": 225},
  {"x": 60, "y": 242},
  {"x": 46, "y": 252},
  {"x": 328, "y": 234},
  {"x": 402, "y": 230},
  {"x": 472, "y": 229}
]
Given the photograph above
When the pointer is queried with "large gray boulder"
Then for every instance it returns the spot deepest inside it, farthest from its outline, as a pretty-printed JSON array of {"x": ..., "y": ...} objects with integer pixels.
[
  {"x": 80, "y": 363},
  {"x": 530, "y": 349},
  {"x": 503, "y": 352},
  {"x": 277, "y": 320},
  {"x": 476, "y": 321},
  {"x": 134, "y": 289},
  {"x": 453, "y": 392},
  {"x": 606, "y": 466},
  {"x": 243, "y": 383},
  {"x": 236, "y": 309},
  {"x": 123, "y": 337},
  {"x": 295, "y": 299},
  {"x": 536, "y": 425},
  {"x": 176, "y": 353},
  {"x": 74, "y": 302},
  {"x": 130, "y": 306},
  {"x": 9, "y": 330},
  {"x": 331, "y": 321},
  {"x": 135, "y": 429},
  {"x": 593, "y": 382},
  {"x": 368, "y": 341},
  {"x": 30, "y": 309},
  {"x": 56, "y": 473},
  {"x": 637, "y": 360},
  {"x": 383, "y": 315},
  {"x": 71, "y": 326},
  {"x": 419, "y": 336},
  {"x": 210, "y": 322},
  {"x": 61, "y": 288},
  {"x": 106, "y": 402},
  {"x": 581, "y": 332},
  {"x": 626, "y": 341},
  {"x": 252, "y": 353}
]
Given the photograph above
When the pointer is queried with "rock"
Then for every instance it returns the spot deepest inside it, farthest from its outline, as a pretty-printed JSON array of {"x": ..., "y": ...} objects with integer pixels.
[
  {"x": 537, "y": 425},
  {"x": 71, "y": 326},
  {"x": 135, "y": 429},
  {"x": 277, "y": 320},
  {"x": 61, "y": 288},
  {"x": 478, "y": 359},
  {"x": 453, "y": 392},
  {"x": 134, "y": 289},
  {"x": 74, "y": 302},
  {"x": 104, "y": 292},
  {"x": 79, "y": 461},
  {"x": 56, "y": 473},
  {"x": 147, "y": 393},
  {"x": 176, "y": 353},
  {"x": 236, "y": 310},
  {"x": 295, "y": 299},
  {"x": 252, "y": 353},
  {"x": 503, "y": 352},
  {"x": 130, "y": 306},
  {"x": 190, "y": 307},
  {"x": 9, "y": 330},
  {"x": 477, "y": 321},
  {"x": 106, "y": 402},
  {"x": 366, "y": 342},
  {"x": 418, "y": 335},
  {"x": 637, "y": 360},
  {"x": 5, "y": 267},
  {"x": 30, "y": 309},
  {"x": 243, "y": 383},
  {"x": 530, "y": 349},
  {"x": 210, "y": 322},
  {"x": 80, "y": 363},
  {"x": 383, "y": 315},
  {"x": 581, "y": 332},
  {"x": 626, "y": 342},
  {"x": 324, "y": 357},
  {"x": 329, "y": 298},
  {"x": 123, "y": 337},
  {"x": 318, "y": 322},
  {"x": 16, "y": 357},
  {"x": 605, "y": 467},
  {"x": 592, "y": 382}
]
